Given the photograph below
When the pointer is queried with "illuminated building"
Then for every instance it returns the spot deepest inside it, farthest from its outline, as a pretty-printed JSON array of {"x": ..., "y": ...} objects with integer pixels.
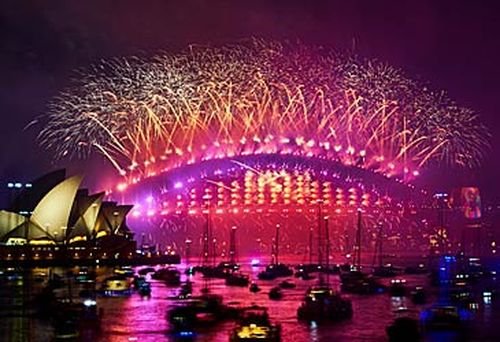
[{"x": 54, "y": 220}]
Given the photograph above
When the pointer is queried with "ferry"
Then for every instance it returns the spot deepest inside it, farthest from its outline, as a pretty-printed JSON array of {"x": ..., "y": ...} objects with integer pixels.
[{"x": 116, "y": 286}]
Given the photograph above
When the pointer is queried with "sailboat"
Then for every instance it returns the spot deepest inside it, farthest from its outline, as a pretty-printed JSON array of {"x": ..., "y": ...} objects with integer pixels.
[
  {"x": 276, "y": 269},
  {"x": 381, "y": 270},
  {"x": 355, "y": 281},
  {"x": 235, "y": 278},
  {"x": 322, "y": 303}
]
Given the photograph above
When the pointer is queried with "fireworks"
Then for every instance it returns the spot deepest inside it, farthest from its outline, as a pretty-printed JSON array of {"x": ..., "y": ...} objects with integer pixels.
[{"x": 148, "y": 116}]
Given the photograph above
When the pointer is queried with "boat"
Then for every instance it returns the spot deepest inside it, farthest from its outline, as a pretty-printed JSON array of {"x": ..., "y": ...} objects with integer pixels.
[
  {"x": 462, "y": 296},
  {"x": 231, "y": 266},
  {"x": 237, "y": 279},
  {"x": 276, "y": 269},
  {"x": 308, "y": 267},
  {"x": 10, "y": 274},
  {"x": 321, "y": 303},
  {"x": 84, "y": 275},
  {"x": 360, "y": 283},
  {"x": 381, "y": 270},
  {"x": 186, "y": 290},
  {"x": 445, "y": 317},
  {"x": 275, "y": 293},
  {"x": 70, "y": 319},
  {"x": 197, "y": 312},
  {"x": 213, "y": 272},
  {"x": 254, "y": 288},
  {"x": 138, "y": 281},
  {"x": 144, "y": 271},
  {"x": 116, "y": 286},
  {"x": 397, "y": 288},
  {"x": 254, "y": 325},
  {"x": 419, "y": 269},
  {"x": 145, "y": 289},
  {"x": 418, "y": 295},
  {"x": 170, "y": 275},
  {"x": 404, "y": 329},
  {"x": 285, "y": 284},
  {"x": 303, "y": 275},
  {"x": 125, "y": 271},
  {"x": 386, "y": 271}
]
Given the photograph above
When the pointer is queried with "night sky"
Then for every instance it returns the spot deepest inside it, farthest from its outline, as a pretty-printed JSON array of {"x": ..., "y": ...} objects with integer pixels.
[{"x": 453, "y": 45}]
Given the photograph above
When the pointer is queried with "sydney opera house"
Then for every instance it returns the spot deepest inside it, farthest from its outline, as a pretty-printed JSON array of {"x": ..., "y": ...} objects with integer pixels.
[{"x": 54, "y": 221}]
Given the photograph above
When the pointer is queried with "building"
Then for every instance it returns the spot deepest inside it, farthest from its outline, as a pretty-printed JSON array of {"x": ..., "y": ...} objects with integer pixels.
[{"x": 54, "y": 221}]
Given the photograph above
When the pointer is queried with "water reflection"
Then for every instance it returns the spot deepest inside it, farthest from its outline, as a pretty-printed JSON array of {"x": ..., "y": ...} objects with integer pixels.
[{"x": 138, "y": 318}]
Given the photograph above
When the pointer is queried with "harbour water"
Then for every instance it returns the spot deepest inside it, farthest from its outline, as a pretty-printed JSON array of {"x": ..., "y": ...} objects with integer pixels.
[{"x": 137, "y": 318}]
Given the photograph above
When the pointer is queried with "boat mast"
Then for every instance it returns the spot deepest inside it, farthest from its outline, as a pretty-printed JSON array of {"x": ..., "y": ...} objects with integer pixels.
[
  {"x": 357, "y": 247},
  {"x": 276, "y": 244},
  {"x": 206, "y": 237},
  {"x": 327, "y": 257},
  {"x": 311, "y": 230},
  {"x": 378, "y": 246},
  {"x": 320, "y": 242},
  {"x": 232, "y": 246}
]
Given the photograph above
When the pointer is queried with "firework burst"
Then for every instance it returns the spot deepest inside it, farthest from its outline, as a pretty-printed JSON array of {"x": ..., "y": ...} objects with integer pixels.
[{"x": 259, "y": 98}]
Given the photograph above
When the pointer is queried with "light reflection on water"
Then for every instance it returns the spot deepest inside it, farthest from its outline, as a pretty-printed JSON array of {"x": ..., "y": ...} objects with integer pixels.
[{"x": 139, "y": 318}]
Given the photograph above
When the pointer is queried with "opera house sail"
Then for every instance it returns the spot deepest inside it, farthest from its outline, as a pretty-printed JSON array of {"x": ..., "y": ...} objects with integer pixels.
[{"x": 55, "y": 221}]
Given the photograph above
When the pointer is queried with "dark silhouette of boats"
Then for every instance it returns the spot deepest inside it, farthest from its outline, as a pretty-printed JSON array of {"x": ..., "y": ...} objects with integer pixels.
[
  {"x": 321, "y": 303},
  {"x": 445, "y": 317},
  {"x": 170, "y": 276},
  {"x": 418, "y": 295},
  {"x": 198, "y": 313},
  {"x": 146, "y": 270},
  {"x": 276, "y": 269},
  {"x": 404, "y": 329},
  {"x": 359, "y": 283},
  {"x": 276, "y": 293},
  {"x": 397, "y": 288},
  {"x": 237, "y": 279},
  {"x": 285, "y": 284},
  {"x": 254, "y": 288},
  {"x": 355, "y": 281},
  {"x": 419, "y": 269}
]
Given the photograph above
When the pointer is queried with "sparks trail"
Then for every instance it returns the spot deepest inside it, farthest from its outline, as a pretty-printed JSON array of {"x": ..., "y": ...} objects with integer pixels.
[{"x": 148, "y": 116}]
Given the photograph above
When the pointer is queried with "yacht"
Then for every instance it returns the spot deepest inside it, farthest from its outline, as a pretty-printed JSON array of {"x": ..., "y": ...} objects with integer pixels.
[
  {"x": 360, "y": 283},
  {"x": 171, "y": 276},
  {"x": 197, "y": 312},
  {"x": 397, "y": 288},
  {"x": 255, "y": 326},
  {"x": 286, "y": 284},
  {"x": 323, "y": 304},
  {"x": 444, "y": 317},
  {"x": 237, "y": 279}
]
